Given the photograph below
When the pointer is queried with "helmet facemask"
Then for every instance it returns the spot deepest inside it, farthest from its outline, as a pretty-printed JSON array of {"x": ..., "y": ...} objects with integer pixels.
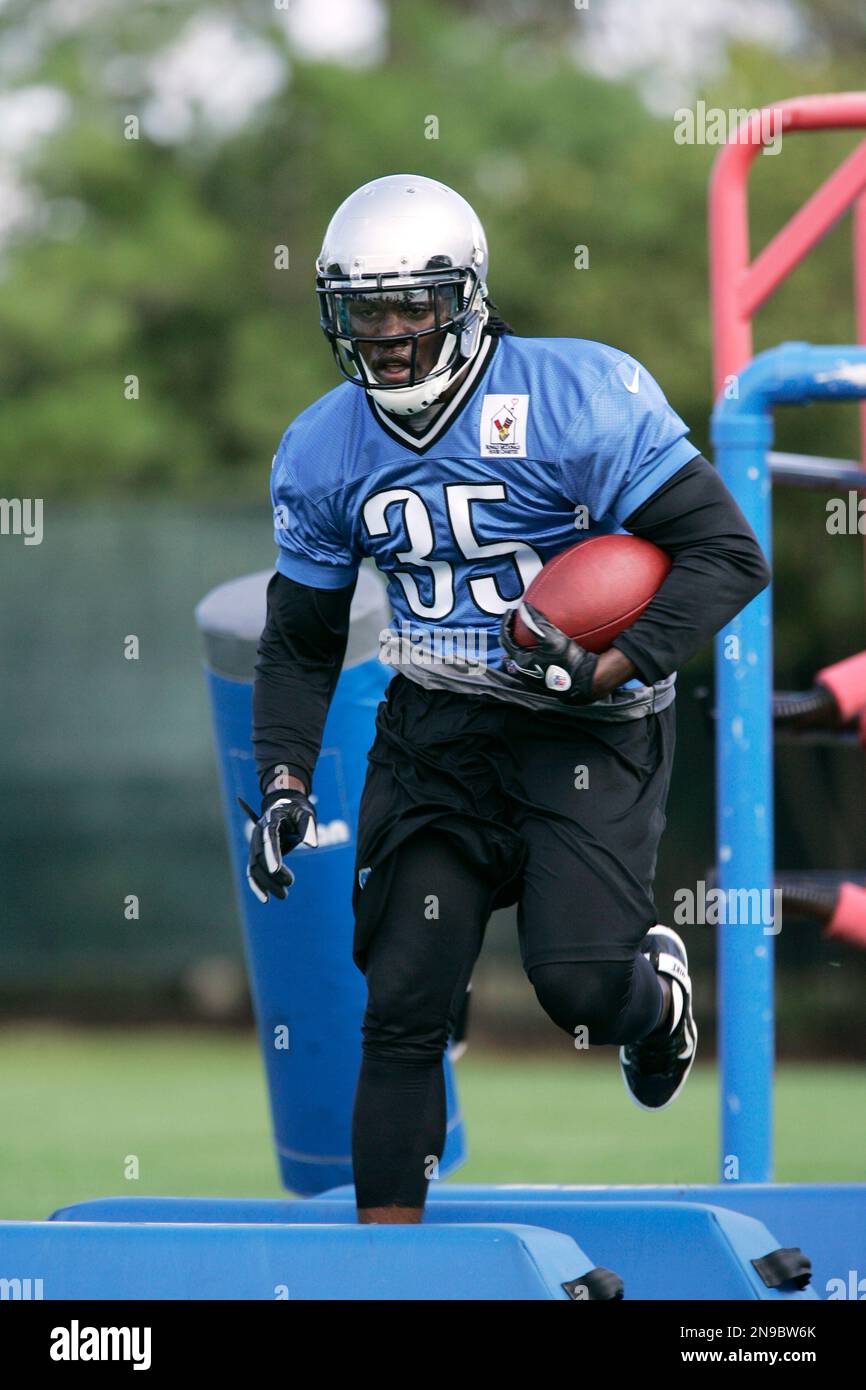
[{"x": 351, "y": 306}]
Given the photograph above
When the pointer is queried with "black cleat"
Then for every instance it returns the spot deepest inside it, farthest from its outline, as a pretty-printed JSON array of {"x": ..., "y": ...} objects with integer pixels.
[{"x": 655, "y": 1068}]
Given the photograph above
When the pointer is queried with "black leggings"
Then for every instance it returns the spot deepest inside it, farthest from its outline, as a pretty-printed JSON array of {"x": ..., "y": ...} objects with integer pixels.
[{"x": 429, "y": 934}]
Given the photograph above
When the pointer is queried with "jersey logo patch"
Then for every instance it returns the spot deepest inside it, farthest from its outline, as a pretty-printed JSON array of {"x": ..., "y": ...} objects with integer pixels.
[{"x": 503, "y": 426}]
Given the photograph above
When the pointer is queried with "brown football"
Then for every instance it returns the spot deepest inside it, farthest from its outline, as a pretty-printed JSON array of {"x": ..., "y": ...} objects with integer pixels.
[{"x": 596, "y": 589}]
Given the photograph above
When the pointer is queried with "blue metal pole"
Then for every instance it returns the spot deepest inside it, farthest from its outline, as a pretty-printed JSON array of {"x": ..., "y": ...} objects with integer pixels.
[
  {"x": 742, "y": 433},
  {"x": 744, "y": 829}
]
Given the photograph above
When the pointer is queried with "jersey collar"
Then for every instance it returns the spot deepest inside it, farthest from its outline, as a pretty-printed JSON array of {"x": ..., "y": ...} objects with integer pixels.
[{"x": 420, "y": 443}]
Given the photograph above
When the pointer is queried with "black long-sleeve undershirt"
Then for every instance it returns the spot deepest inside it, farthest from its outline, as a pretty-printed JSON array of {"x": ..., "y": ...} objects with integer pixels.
[
  {"x": 718, "y": 567},
  {"x": 300, "y": 656}
]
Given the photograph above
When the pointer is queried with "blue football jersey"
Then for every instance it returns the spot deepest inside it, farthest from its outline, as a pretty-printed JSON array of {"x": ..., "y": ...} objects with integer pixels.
[{"x": 549, "y": 441}]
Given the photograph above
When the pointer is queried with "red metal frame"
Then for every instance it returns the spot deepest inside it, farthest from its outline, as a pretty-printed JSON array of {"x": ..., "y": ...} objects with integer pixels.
[{"x": 739, "y": 286}]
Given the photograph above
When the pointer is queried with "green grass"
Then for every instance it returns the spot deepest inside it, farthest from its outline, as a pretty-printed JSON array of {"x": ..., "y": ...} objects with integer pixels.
[{"x": 192, "y": 1108}]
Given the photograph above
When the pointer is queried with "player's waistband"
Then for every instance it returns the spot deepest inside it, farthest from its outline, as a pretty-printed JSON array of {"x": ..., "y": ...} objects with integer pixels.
[{"x": 628, "y": 702}]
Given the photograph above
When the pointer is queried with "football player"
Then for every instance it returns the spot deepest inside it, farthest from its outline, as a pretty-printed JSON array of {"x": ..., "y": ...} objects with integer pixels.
[{"x": 461, "y": 457}]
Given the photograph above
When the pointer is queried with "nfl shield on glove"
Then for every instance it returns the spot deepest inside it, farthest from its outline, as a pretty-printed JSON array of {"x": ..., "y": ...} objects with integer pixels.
[{"x": 557, "y": 663}]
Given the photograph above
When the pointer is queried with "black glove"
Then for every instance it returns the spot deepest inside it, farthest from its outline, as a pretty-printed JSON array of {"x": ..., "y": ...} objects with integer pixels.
[
  {"x": 288, "y": 819},
  {"x": 557, "y": 664}
]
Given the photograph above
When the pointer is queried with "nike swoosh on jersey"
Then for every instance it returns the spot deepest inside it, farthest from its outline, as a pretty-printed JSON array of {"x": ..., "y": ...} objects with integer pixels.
[{"x": 634, "y": 384}]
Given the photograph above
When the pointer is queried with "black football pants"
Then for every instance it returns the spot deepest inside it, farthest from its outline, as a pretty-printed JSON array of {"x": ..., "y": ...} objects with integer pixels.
[{"x": 471, "y": 804}]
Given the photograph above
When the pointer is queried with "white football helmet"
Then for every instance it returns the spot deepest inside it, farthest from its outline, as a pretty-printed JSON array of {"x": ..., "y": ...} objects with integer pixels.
[{"x": 413, "y": 240}]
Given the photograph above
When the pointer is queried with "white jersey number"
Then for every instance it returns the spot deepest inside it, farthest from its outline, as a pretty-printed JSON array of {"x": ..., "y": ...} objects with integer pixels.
[{"x": 419, "y": 529}]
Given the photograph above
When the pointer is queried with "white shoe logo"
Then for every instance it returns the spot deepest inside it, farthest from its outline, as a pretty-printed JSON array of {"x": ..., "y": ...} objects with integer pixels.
[{"x": 634, "y": 385}]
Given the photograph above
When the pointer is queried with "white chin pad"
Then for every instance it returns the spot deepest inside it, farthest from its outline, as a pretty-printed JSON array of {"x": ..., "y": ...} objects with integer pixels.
[{"x": 409, "y": 400}]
